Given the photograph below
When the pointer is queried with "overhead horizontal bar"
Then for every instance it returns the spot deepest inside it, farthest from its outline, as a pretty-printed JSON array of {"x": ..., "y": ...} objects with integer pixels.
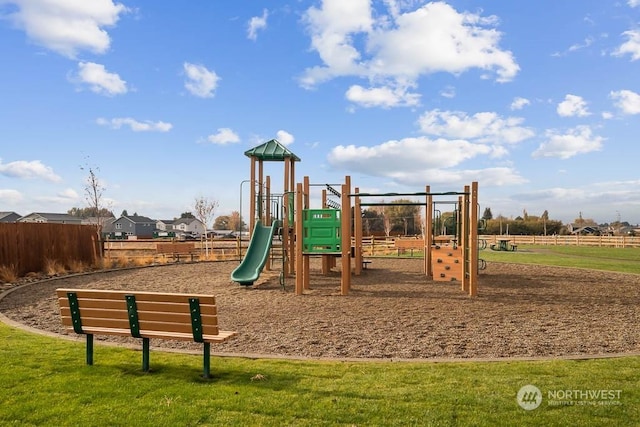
[
  {"x": 394, "y": 204},
  {"x": 450, "y": 193}
]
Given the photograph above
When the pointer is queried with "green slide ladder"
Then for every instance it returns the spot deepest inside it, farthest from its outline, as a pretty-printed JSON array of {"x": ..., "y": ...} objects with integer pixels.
[{"x": 256, "y": 257}]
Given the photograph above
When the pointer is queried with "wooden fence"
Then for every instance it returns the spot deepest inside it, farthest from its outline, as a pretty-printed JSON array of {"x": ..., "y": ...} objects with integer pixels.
[
  {"x": 570, "y": 240},
  {"x": 30, "y": 247}
]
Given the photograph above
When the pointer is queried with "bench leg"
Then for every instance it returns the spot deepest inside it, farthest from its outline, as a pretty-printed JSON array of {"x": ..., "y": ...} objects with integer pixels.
[
  {"x": 89, "y": 349},
  {"x": 145, "y": 354},
  {"x": 206, "y": 360}
]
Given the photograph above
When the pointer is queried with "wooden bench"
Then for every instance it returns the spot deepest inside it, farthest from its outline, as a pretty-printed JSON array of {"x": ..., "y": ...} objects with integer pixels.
[
  {"x": 403, "y": 244},
  {"x": 177, "y": 249},
  {"x": 144, "y": 315}
]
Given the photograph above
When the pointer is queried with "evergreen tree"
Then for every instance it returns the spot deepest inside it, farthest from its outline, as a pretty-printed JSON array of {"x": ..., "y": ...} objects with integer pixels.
[{"x": 487, "y": 215}]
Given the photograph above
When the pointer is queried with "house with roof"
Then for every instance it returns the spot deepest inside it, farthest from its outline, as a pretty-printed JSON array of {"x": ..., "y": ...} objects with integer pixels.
[
  {"x": 133, "y": 225},
  {"x": 50, "y": 218},
  {"x": 586, "y": 230},
  {"x": 165, "y": 224},
  {"x": 9, "y": 217},
  {"x": 105, "y": 222},
  {"x": 191, "y": 226}
]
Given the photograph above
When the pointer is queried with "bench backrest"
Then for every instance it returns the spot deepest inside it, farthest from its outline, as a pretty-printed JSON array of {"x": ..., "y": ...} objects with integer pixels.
[
  {"x": 145, "y": 313},
  {"x": 173, "y": 248},
  {"x": 409, "y": 243}
]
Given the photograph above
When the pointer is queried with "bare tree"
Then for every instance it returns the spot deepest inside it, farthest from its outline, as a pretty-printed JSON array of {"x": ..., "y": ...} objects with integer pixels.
[
  {"x": 93, "y": 195},
  {"x": 205, "y": 211}
]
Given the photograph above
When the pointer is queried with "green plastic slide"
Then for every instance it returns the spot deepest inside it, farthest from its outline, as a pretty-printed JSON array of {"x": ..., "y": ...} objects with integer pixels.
[{"x": 254, "y": 260}]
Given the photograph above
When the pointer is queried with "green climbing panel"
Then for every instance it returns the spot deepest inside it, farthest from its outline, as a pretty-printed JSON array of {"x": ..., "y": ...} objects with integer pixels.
[{"x": 321, "y": 230}]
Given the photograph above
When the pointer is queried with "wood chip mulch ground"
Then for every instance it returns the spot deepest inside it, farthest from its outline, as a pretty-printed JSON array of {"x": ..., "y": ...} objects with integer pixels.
[{"x": 392, "y": 311}]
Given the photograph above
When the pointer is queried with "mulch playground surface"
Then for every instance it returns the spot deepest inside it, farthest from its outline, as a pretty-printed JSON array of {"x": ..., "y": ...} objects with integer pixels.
[{"x": 392, "y": 312}]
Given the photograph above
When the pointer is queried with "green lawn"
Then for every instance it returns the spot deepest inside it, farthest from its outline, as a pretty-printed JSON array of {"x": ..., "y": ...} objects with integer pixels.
[
  {"x": 45, "y": 382},
  {"x": 625, "y": 260}
]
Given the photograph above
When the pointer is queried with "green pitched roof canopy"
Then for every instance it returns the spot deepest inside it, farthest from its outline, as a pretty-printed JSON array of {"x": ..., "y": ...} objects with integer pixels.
[{"x": 271, "y": 150}]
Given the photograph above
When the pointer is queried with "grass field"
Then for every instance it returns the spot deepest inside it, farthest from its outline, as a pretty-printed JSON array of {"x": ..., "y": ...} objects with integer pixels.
[
  {"x": 45, "y": 382},
  {"x": 625, "y": 260}
]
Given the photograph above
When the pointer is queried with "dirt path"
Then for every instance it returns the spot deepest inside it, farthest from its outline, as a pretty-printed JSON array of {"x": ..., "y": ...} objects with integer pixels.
[{"x": 391, "y": 312}]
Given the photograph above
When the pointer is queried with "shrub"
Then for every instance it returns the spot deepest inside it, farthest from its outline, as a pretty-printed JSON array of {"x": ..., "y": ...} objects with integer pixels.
[
  {"x": 53, "y": 267},
  {"x": 8, "y": 273}
]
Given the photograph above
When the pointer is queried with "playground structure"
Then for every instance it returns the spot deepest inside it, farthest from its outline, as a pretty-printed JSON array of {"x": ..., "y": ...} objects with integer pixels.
[{"x": 333, "y": 231}]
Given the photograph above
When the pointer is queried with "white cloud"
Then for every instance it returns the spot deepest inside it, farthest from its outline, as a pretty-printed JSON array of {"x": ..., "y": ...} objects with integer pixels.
[
  {"x": 403, "y": 46},
  {"x": 284, "y": 137},
  {"x": 28, "y": 170},
  {"x": 631, "y": 46},
  {"x": 100, "y": 80},
  {"x": 519, "y": 103},
  {"x": 633, "y": 3},
  {"x": 406, "y": 162},
  {"x": 406, "y": 155},
  {"x": 64, "y": 197},
  {"x": 200, "y": 81},
  {"x": 135, "y": 125},
  {"x": 579, "y": 140},
  {"x": 607, "y": 115},
  {"x": 586, "y": 43},
  {"x": 627, "y": 101},
  {"x": 448, "y": 92},
  {"x": 68, "y": 26},
  {"x": 381, "y": 97},
  {"x": 223, "y": 136},
  {"x": 484, "y": 126},
  {"x": 69, "y": 193},
  {"x": 573, "y": 106},
  {"x": 9, "y": 196},
  {"x": 257, "y": 23}
]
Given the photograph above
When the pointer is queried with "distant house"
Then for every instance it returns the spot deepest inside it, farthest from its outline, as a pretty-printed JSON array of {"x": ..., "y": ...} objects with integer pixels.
[
  {"x": 9, "y": 217},
  {"x": 189, "y": 226},
  {"x": 107, "y": 223},
  {"x": 588, "y": 230},
  {"x": 133, "y": 225},
  {"x": 50, "y": 218},
  {"x": 165, "y": 224}
]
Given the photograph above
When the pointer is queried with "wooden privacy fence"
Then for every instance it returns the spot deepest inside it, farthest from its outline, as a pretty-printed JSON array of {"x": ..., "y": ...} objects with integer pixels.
[{"x": 29, "y": 247}]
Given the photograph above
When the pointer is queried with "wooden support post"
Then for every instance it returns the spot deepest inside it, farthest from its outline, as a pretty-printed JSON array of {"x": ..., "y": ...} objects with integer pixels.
[
  {"x": 428, "y": 232},
  {"x": 292, "y": 243},
  {"x": 345, "y": 283},
  {"x": 326, "y": 259},
  {"x": 267, "y": 219},
  {"x": 287, "y": 213},
  {"x": 357, "y": 234},
  {"x": 464, "y": 237},
  {"x": 473, "y": 241},
  {"x": 306, "y": 258},
  {"x": 298, "y": 232},
  {"x": 260, "y": 200},
  {"x": 252, "y": 196}
]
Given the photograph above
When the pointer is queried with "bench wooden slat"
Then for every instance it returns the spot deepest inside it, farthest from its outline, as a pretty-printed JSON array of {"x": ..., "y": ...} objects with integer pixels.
[
  {"x": 142, "y": 295},
  {"x": 222, "y": 336},
  {"x": 209, "y": 325},
  {"x": 152, "y": 316},
  {"x": 120, "y": 304}
]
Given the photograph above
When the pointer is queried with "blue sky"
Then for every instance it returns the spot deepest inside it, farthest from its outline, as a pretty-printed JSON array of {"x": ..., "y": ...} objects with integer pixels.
[{"x": 537, "y": 101}]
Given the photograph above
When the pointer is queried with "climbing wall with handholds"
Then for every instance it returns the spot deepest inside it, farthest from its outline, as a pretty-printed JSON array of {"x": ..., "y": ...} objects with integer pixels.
[{"x": 446, "y": 261}]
